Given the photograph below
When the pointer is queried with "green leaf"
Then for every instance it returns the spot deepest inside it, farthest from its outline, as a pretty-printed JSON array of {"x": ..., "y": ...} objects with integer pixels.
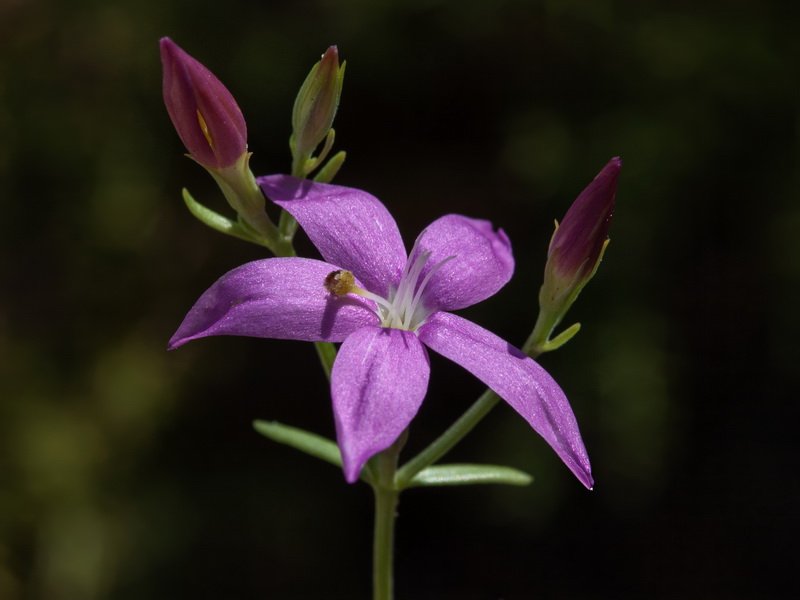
[
  {"x": 302, "y": 440},
  {"x": 458, "y": 474}
]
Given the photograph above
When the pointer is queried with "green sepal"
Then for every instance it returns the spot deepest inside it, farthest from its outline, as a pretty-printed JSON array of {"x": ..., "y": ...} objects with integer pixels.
[
  {"x": 218, "y": 222},
  {"x": 331, "y": 168},
  {"x": 561, "y": 339},
  {"x": 300, "y": 439},
  {"x": 303, "y": 165},
  {"x": 467, "y": 474}
]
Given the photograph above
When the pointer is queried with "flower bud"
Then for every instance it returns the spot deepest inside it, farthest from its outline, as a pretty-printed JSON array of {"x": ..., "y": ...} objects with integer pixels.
[
  {"x": 316, "y": 104},
  {"x": 203, "y": 111},
  {"x": 578, "y": 242},
  {"x": 577, "y": 247}
]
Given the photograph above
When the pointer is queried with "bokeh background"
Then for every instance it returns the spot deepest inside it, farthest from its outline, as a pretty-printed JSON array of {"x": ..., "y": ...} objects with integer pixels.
[{"x": 127, "y": 472}]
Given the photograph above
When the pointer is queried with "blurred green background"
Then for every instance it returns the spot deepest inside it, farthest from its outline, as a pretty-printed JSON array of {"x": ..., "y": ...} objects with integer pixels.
[{"x": 127, "y": 472}]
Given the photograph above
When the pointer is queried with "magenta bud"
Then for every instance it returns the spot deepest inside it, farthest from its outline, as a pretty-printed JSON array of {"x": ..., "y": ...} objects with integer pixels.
[
  {"x": 579, "y": 241},
  {"x": 203, "y": 111}
]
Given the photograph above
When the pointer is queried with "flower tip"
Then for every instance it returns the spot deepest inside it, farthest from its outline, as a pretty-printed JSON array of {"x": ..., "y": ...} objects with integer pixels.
[
  {"x": 611, "y": 171},
  {"x": 352, "y": 470},
  {"x": 175, "y": 343},
  {"x": 170, "y": 51}
]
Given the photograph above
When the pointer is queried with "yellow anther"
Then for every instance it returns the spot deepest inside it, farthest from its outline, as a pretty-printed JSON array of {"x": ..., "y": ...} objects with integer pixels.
[{"x": 340, "y": 282}]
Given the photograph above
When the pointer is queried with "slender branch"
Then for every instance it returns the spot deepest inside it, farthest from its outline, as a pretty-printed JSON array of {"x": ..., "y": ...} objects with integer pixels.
[
  {"x": 455, "y": 433},
  {"x": 448, "y": 439}
]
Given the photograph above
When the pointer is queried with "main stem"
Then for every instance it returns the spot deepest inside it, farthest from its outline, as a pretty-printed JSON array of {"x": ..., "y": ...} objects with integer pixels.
[
  {"x": 383, "y": 547},
  {"x": 386, "y": 496}
]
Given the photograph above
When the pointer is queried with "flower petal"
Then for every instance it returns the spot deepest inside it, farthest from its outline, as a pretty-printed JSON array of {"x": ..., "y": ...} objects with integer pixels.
[
  {"x": 378, "y": 382},
  {"x": 282, "y": 298},
  {"x": 482, "y": 265},
  {"x": 349, "y": 227},
  {"x": 516, "y": 378}
]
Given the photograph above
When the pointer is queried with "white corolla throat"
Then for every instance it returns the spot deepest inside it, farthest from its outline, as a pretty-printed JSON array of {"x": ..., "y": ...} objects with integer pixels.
[{"x": 404, "y": 308}]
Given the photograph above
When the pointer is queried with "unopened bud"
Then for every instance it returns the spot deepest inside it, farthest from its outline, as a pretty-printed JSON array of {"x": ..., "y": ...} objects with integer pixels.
[
  {"x": 580, "y": 239},
  {"x": 316, "y": 104},
  {"x": 575, "y": 252},
  {"x": 203, "y": 111}
]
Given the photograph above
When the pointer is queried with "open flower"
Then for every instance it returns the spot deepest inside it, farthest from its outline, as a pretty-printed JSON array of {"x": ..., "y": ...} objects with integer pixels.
[{"x": 385, "y": 306}]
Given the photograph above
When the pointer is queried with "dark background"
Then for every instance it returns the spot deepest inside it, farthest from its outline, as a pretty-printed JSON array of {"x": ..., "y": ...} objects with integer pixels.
[{"x": 127, "y": 472}]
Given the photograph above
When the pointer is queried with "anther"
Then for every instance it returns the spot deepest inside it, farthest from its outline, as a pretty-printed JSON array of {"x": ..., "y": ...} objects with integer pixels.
[{"x": 340, "y": 282}]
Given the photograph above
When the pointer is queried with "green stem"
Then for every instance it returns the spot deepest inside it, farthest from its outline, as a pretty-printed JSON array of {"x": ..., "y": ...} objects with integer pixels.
[
  {"x": 327, "y": 354},
  {"x": 386, "y": 496},
  {"x": 545, "y": 324},
  {"x": 383, "y": 550}
]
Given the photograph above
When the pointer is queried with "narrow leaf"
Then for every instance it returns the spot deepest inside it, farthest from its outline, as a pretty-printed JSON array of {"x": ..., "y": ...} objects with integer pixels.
[
  {"x": 466, "y": 474},
  {"x": 302, "y": 440}
]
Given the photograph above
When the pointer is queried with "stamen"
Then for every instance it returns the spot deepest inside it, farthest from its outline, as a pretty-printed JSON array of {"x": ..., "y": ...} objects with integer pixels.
[
  {"x": 343, "y": 282},
  {"x": 412, "y": 309},
  {"x": 404, "y": 308},
  {"x": 407, "y": 289}
]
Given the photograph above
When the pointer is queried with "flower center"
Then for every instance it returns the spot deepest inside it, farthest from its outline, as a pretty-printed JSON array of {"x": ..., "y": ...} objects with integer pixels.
[{"x": 404, "y": 308}]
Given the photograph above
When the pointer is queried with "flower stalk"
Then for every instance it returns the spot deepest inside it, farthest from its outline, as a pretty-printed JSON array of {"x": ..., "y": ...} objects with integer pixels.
[{"x": 386, "y": 494}]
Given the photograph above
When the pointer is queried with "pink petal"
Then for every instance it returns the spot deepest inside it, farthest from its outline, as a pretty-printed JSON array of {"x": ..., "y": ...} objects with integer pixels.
[
  {"x": 516, "y": 378},
  {"x": 378, "y": 382},
  {"x": 349, "y": 227},
  {"x": 282, "y": 298},
  {"x": 482, "y": 265}
]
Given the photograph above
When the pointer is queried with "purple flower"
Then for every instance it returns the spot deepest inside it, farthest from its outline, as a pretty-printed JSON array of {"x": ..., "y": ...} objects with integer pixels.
[
  {"x": 203, "y": 111},
  {"x": 385, "y": 306}
]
